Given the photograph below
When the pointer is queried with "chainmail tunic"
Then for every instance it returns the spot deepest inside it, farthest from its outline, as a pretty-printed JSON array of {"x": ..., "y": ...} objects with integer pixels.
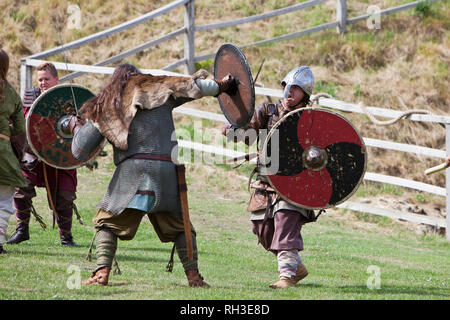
[{"x": 150, "y": 133}]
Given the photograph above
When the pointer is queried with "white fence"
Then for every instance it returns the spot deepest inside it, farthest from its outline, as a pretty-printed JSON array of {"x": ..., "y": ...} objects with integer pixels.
[{"x": 190, "y": 59}]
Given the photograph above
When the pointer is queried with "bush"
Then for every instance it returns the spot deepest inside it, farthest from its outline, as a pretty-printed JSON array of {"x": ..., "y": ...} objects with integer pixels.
[{"x": 423, "y": 9}]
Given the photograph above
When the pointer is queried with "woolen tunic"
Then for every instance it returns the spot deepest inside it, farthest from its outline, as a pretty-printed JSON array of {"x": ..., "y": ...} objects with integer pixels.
[{"x": 10, "y": 109}]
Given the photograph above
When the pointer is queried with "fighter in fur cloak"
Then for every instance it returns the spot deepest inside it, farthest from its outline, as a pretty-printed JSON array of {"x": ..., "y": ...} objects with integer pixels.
[{"x": 134, "y": 112}]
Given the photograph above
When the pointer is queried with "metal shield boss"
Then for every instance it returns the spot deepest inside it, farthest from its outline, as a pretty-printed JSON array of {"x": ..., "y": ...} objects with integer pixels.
[
  {"x": 47, "y": 125},
  {"x": 314, "y": 158},
  {"x": 238, "y": 107}
]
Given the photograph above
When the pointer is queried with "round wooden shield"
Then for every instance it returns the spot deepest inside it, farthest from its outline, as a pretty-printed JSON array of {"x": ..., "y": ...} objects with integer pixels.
[
  {"x": 314, "y": 158},
  {"x": 46, "y": 125},
  {"x": 238, "y": 107}
]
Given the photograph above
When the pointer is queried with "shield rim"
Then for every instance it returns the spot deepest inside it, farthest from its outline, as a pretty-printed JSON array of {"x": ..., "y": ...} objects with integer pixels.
[
  {"x": 27, "y": 127},
  {"x": 239, "y": 52},
  {"x": 363, "y": 145}
]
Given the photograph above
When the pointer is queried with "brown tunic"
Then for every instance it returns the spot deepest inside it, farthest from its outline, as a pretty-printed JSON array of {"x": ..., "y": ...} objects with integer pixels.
[{"x": 277, "y": 228}]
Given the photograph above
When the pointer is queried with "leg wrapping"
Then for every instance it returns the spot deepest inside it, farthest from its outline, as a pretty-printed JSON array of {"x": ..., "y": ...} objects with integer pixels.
[
  {"x": 106, "y": 243},
  {"x": 180, "y": 245},
  {"x": 288, "y": 262}
]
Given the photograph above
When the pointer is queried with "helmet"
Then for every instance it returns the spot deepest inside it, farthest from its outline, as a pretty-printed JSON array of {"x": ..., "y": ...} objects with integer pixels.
[{"x": 302, "y": 77}]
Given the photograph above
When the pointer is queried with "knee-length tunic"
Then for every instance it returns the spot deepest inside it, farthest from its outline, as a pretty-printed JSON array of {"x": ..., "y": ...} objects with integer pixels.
[
  {"x": 10, "y": 109},
  {"x": 152, "y": 132}
]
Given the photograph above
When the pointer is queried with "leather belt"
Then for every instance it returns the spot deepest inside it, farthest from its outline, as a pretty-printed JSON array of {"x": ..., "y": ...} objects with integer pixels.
[
  {"x": 146, "y": 192},
  {"x": 4, "y": 136},
  {"x": 149, "y": 156}
]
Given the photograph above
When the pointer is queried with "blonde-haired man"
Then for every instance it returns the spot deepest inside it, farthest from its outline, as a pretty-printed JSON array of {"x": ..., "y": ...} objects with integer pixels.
[{"x": 63, "y": 183}]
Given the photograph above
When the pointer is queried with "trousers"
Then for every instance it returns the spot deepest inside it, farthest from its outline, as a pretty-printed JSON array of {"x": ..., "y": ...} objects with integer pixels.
[
  {"x": 125, "y": 226},
  {"x": 63, "y": 205},
  {"x": 6, "y": 210}
]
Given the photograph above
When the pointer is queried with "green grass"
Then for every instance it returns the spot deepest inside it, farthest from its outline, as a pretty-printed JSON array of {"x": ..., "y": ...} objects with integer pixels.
[
  {"x": 327, "y": 87},
  {"x": 369, "y": 188},
  {"x": 337, "y": 254}
]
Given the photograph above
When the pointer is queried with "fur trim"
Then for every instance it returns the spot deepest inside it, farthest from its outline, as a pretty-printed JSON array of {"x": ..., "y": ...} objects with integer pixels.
[{"x": 145, "y": 91}]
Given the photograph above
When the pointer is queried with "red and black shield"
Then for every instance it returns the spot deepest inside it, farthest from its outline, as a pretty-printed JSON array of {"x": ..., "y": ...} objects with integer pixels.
[
  {"x": 314, "y": 158},
  {"x": 46, "y": 124},
  {"x": 237, "y": 107}
]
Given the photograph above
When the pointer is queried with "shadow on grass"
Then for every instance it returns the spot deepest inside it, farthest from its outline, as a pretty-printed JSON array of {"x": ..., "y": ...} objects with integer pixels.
[
  {"x": 261, "y": 288},
  {"x": 394, "y": 290},
  {"x": 102, "y": 291},
  {"x": 148, "y": 249},
  {"x": 133, "y": 258},
  {"x": 30, "y": 251},
  {"x": 52, "y": 244}
]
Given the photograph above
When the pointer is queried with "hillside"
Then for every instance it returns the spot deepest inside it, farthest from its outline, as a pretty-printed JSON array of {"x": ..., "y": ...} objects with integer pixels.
[{"x": 404, "y": 65}]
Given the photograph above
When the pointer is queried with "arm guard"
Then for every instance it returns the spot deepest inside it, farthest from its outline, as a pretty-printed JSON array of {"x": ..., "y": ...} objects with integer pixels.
[{"x": 85, "y": 141}]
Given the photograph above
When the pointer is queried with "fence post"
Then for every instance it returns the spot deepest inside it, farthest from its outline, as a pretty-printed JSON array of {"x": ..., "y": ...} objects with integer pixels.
[
  {"x": 26, "y": 77},
  {"x": 341, "y": 15},
  {"x": 447, "y": 182},
  {"x": 189, "y": 37}
]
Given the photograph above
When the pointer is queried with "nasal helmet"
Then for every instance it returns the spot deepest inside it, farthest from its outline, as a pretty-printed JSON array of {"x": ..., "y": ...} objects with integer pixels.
[{"x": 302, "y": 77}]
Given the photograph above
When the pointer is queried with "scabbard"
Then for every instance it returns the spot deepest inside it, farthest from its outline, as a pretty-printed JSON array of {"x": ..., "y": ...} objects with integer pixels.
[{"x": 182, "y": 187}]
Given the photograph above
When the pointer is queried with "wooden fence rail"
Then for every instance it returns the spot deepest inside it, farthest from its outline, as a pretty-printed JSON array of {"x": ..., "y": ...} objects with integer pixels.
[{"x": 189, "y": 29}]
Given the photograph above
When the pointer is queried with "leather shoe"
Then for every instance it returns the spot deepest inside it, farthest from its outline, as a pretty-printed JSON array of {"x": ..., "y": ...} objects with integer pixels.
[
  {"x": 195, "y": 279},
  {"x": 300, "y": 273},
  {"x": 67, "y": 240},
  {"x": 20, "y": 234},
  {"x": 283, "y": 283},
  {"x": 100, "y": 277}
]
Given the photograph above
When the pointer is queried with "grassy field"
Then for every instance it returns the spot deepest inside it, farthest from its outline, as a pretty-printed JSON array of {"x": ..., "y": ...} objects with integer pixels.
[{"x": 343, "y": 253}]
